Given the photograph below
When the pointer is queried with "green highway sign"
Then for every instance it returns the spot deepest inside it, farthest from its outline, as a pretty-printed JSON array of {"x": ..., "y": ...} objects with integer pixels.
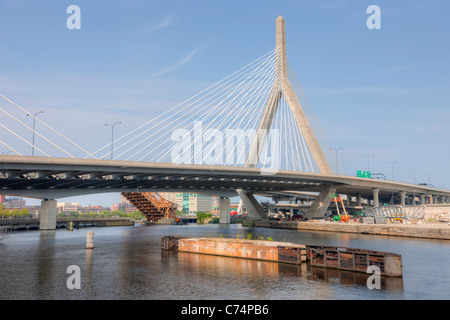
[{"x": 363, "y": 174}]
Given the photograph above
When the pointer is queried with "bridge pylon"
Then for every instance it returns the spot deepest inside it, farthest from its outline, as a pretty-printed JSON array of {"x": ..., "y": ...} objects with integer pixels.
[{"x": 282, "y": 87}]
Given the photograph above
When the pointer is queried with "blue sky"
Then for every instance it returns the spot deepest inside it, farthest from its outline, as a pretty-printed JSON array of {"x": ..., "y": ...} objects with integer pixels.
[{"x": 383, "y": 92}]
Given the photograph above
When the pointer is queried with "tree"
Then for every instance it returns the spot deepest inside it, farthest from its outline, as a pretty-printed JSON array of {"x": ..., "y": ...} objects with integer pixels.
[
  {"x": 201, "y": 216},
  {"x": 3, "y": 210},
  {"x": 15, "y": 213}
]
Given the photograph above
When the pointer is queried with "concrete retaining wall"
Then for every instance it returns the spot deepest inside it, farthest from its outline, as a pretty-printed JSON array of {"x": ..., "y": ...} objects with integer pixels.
[
  {"x": 423, "y": 231},
  {"x": 432, "y": 210}
]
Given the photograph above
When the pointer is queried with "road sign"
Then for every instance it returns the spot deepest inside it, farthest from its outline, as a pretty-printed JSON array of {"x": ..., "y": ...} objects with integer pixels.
[{"x": 363, "y": 174}]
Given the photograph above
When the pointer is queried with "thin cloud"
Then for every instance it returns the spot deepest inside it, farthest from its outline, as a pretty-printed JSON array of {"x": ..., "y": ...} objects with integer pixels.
[
  {"x": 165, "y": 22},
  {"x": 185, "y": 60}
]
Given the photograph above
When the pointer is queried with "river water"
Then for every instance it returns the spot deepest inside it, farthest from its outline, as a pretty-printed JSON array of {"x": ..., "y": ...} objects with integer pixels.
[{"x": 128, "y": 263}]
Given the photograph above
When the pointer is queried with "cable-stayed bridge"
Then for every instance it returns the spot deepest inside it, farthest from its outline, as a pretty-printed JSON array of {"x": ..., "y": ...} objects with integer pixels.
[{"x": 252, "y": 133}]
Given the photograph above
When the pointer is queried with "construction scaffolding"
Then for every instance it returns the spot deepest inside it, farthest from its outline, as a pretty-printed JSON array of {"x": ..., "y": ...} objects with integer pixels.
[{"x": 152, "y": 205}]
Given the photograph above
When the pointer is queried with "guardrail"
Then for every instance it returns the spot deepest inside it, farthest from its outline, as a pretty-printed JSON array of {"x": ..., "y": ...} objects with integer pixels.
[{"x": 397, "y": 212}]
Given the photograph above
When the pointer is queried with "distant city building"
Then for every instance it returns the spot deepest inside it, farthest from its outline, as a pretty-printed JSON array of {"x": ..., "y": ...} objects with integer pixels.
[
  {"x": 123, "y": 205},
  {"x": 95, "y": 209},
  {"x": 14, "y": 203},
  {"x": 191, "y": 202},
  {"x": 68, "y": 207},
  {"x": 2, "y": 198}
]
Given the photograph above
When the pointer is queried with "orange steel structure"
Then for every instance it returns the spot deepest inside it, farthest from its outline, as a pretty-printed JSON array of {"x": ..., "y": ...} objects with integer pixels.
[{"x": 152, "y": 205}]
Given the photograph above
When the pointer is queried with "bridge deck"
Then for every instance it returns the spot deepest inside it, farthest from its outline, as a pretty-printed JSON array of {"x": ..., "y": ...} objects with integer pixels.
[{"x": 62, "y": 177}]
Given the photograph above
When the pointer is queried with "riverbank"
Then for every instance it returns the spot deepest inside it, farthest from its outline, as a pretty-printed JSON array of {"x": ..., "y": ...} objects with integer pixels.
[
  {"x": 439, "y": 231},
  {"x": 33, "y": 223}
]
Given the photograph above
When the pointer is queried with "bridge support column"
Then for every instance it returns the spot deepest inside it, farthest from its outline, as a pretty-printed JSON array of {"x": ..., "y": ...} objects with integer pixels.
[
  {"x": 254, "y": 209},
  {"x": 408, "y": 200},
  {"x": 358, "y": 199},
  {"x": 422, "y": 198},
  {"x": 47, "y": 215},
  {"x": 402, "y": 197},
  {"x": 224, "y": 210},
  {"x": 321, "y": 203},
  {"x": 376, "y": 200}
]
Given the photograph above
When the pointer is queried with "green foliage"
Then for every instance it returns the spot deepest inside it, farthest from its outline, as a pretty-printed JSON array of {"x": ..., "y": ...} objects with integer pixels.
[
  {"x": 261, "y": 238},
  {"x": 104, "y": 214},
  {"x": 201, "y": 216},
  {"x": 215, "y": 220},
  {"x": 269, "y": 239},
  {"x": 249, "y": 236},
  {"x": 14, "y": 213}
]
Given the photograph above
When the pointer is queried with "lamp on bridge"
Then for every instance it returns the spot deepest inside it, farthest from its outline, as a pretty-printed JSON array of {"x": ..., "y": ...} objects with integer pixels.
[
  {"x": 34, "y": 126},
  {"x": 368, "y": 161},
  {"x": 392, "y": 167},
  {"x": 337, "y": 162},
  {"x": 112, "y": 136}
]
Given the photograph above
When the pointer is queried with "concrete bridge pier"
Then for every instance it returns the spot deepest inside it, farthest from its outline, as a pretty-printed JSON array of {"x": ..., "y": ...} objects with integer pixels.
[
  {"x": 358, "y": 199},
  {"x": 422, "y": 199},
  {"x": 254, "y": 209},
  {"x": 376, "y": 199},
  {"x": 321, "y": 203},
  {"x": 402, "y": 198},
  {"x": 47, "y": 215},
  {"x": 224, "y": 210}
]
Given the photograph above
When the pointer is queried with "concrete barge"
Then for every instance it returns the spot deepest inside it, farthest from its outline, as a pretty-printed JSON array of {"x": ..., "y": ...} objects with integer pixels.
[
  {"x": 351, "y": 259},
  {"x": 246, "y": 249}
]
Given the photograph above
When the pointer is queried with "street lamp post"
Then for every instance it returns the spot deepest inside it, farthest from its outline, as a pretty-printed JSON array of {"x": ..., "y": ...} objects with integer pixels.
[
  {"x": 368, "y": 161},
  {"x": 34, "y": 126},
  {"x": 413, "y": 174},
  {"x": 337, "y": 161},
  {"x": 392, "y": 167},
  {"x": 112, "y": 136}
]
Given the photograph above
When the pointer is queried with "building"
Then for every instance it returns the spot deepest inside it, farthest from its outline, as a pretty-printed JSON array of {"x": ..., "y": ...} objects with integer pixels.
[
  {"x": 199, "y": 203},
  {"x": 68, "y": 207},
  {"x": 190, "y": 203},
  {"x": 14, "y": 203}
]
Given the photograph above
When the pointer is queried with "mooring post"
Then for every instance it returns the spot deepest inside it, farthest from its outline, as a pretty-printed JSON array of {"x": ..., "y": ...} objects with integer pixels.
[{"x": 90, "y": 240}]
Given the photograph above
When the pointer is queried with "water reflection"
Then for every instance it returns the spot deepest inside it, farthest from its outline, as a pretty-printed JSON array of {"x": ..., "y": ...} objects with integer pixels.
[
  {"x": 128, "y": 263},
  {"x": 246, "y": 270},
  {"x": 353, "y": 278},
  {"x": 45, "y": 262}
]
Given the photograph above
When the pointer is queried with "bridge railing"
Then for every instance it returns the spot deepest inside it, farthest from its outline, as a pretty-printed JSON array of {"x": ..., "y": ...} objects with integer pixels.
[{"x": 397, "y": 212}]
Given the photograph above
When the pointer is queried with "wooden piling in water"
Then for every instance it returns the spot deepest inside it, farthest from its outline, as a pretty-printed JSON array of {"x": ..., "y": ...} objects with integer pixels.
[{"x": 90, "y": 240}]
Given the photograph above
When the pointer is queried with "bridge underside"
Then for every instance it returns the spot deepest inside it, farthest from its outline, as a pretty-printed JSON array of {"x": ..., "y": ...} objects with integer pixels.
[{"x": 54, "y": 178}]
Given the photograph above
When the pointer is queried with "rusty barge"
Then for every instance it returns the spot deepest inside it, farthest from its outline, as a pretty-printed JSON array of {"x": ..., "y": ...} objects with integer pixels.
[{"x": 351, "y": 259}]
